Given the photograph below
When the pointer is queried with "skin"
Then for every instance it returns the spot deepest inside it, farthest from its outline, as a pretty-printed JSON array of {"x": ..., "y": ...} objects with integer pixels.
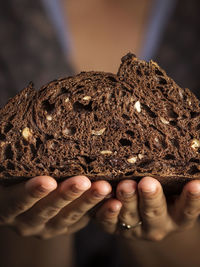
[{"x": 44, "y": 209}]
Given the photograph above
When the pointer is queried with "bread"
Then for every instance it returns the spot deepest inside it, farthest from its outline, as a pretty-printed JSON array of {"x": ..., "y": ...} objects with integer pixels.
[{"x": 105, "y": 126}]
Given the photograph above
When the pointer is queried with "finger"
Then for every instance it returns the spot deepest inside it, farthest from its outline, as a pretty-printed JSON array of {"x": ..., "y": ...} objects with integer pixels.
[
  {"x": 153, "y": 206},
  {"x": 107, "y": 215},
  {"x": 78, "y": 208},
  {"x": 187, "y": 207},
  {"x": 127, "y": 193},
  {"x": 23, "y": 196},
  {"x": 47, "y": 208}
]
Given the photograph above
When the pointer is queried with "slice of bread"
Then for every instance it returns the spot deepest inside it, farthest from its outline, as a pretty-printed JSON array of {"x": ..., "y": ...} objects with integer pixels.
[{"x": 105, "y": 126}]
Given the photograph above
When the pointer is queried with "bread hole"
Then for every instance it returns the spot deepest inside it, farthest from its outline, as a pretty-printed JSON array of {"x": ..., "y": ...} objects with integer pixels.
[
  {"x": 125, "y": 142},
  {"x": 130, "y": 133},
  {"x": 49, "y": 136},
  {"x": 88, "y": 159},
  {"x": 194, "y": 114},
  {"x": 193, "y": 170},
  {"x": 129, "y": 173},
  {"x": 48, "y": 106},
  {"x": 25, "y": 142},
  {"x": 8, "y": 153},
  {"x": 2, "y": 137},
  {"x": 162, "y": 81},
  {"x": 175, "y": 142},
  {"x": 172, "y": 114},
  {"x": 18, "y": 145},
  {"x": 95, "y": 117},
  {"x": 12, "y": 117},
  {"x": 194, "y": 160},
  {"x": 19, "y": 156},
  {"x": 158, "y": 72},
  {"x": 126, "y": 117},
  {"x": 8, "y": 127},
  {"x": 173, "y": 123},
  {"x": 2, "y": 169},
  {"x": 73, "y": 130},
  {"x": 112, "y": 79},
  {"x": 164, "y": 144},
  {"x": 64, "y": 90},
  {"x": 34, "y": 151},
  {"x": 149, "y": 111},
  {"x": 169, "y": 156},
  {"x": 198, "y": 127},
  {"x": 77, "y": 106},
  {"x": 145, "y": 164},
  {"x": 52, "y": 169},
  {"x": 79, "y": 86},
  {"x": 26, "y": 168},
  {"x": 38, "y": 142},
  {"x": 147, "y": 144},
  {"x": 10, "y": 166},
  {"x": 139, "y": 73}
]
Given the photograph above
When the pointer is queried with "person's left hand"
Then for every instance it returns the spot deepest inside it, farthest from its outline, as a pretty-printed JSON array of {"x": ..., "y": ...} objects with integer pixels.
[{"x": 144, "y": 210}]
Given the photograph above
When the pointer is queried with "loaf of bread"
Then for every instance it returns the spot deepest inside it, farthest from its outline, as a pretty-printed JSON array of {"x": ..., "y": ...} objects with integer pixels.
[{"x": 105, "y": 126}]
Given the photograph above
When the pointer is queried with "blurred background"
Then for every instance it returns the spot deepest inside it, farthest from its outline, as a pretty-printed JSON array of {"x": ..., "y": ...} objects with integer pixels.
[{"x": 41, "y": 40}]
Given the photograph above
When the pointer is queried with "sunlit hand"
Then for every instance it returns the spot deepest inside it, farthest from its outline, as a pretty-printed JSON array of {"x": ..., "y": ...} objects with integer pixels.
[
  {"x": 144, "y": 209},
  {"x": 42, "y": 208}
]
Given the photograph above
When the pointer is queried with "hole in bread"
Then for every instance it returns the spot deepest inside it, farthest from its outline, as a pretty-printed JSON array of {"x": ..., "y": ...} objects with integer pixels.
[
  {"x": 2, "y": 137},
  {"x": 52, "y": 169},
  {"x": 139, "y": 73},
  {"x": 12, "y": 117},
  {"x": 26, "y": 168},
  {"x": 49, "y": 136},
  {"x": 95, "y": 117},
  {"x": 198, "y": 127},
  {"x": 175, "y": 142},
  {"x": 193, "y": 170},
  {"x": 18, "y": 145},
  {"x": 147, "y": 144},
  {"x": 172, "y": 114},
  {"x": 125, "y": 142},
  {"x": 8, "y": 152},
  {"x": 34, "y": 151},
  {"x": 2, "y": 169},
  {"x": 194, "y": 114},
  {"x": 48, "y": 106},
  {"x": 64, "y": 90},
  {"x": 162, "y": 81},
  {"x": 149, "y": 111},
  {"x": 129, "y": 173},
  {"x": 88, "y": 159},
  {"x": 10, "y": 166},
  {"x": 112, "y": 79},
  {"x": 126, "y": 117},
  {"x": 25, "y": 142},
  {"x": 169, "y": 156},
  {"x": 130, "y": 133},
  {"x": 194, "y": 160},
  {"x": 77, "y": 106},
  {"x": 38, "y": 142},
  {"x": 8, "y": 127},
  {"x": 158, "y": 72},
  {"x": 145, "y": 164}
]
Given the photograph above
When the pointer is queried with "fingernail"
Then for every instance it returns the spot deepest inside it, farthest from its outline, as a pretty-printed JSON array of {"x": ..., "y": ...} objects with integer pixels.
[
  {"x": 149, "y": 189},
  {"x": 127, "y": 194},
  {"x": 114, "y": 209}
]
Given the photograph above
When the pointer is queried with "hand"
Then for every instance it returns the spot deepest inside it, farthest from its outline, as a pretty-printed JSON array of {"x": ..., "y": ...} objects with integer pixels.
[
  {"x": 146, "y": 203},
  {"x": 44, "y": 209}
]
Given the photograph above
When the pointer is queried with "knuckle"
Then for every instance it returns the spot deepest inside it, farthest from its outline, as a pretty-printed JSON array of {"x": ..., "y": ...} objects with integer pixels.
[
  {"x": 191, "y": 213},
  {"x": 152, "y": 213}
]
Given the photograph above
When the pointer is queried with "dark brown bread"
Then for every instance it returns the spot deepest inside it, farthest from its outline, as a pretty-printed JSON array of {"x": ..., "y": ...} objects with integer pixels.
[{"x": 136, "y": 123}]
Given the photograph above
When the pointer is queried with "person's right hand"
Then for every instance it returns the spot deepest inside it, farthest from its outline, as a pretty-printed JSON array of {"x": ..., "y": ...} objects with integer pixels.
[{"x": 44, "y": 209}]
